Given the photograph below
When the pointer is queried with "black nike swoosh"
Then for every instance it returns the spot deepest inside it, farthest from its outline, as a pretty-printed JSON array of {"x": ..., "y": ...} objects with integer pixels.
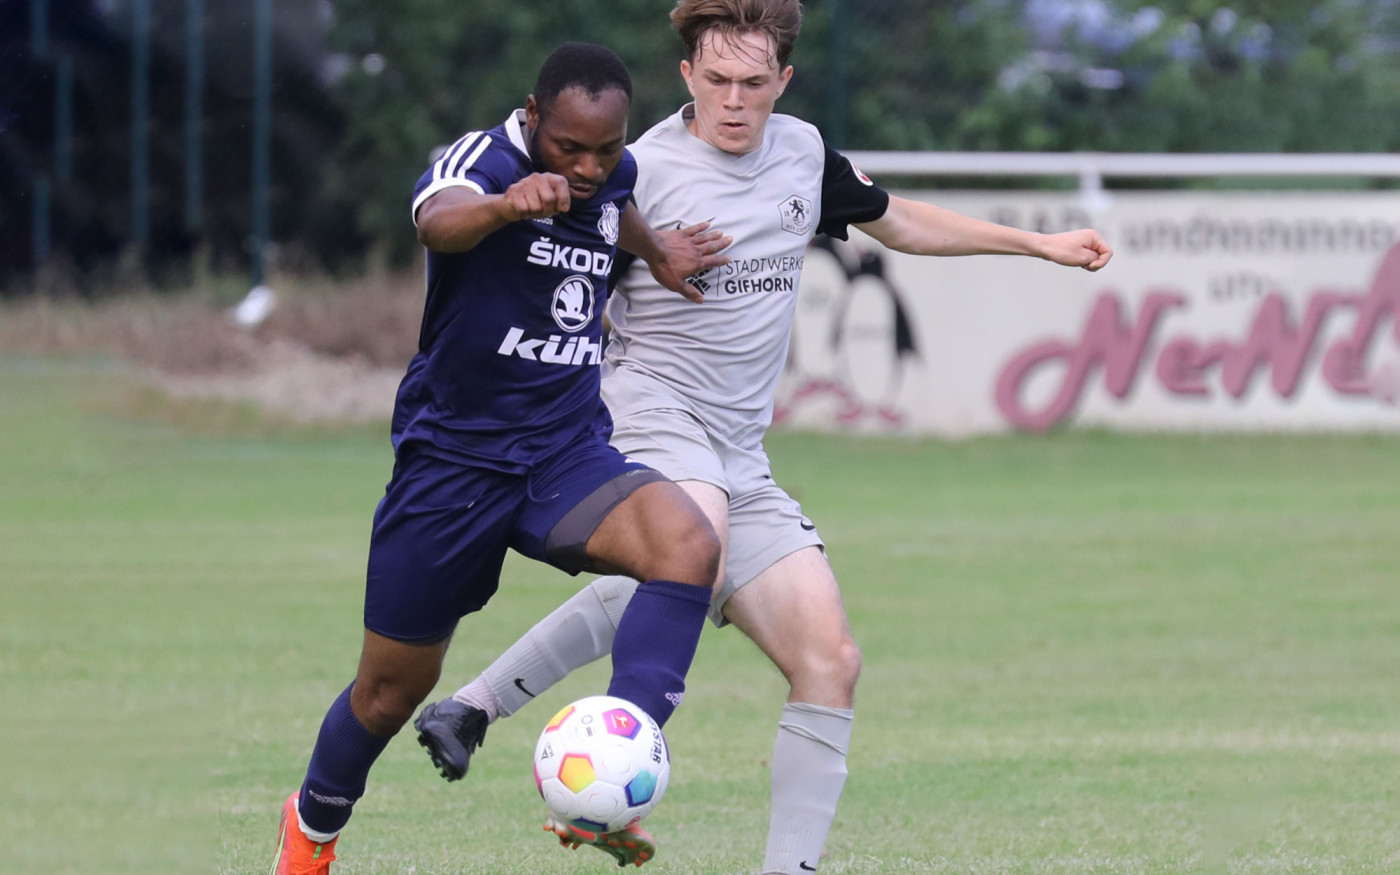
[
  {"x": 810, "y": 527},
  {"x": 803, "y": 865},
  {"x": 520, "y": 682}
]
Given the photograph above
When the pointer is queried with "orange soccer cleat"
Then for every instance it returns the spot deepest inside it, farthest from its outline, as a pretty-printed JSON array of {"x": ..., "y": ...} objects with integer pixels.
[
  {"x": 297, "y": 854},
  {"x": 628, "y": 845}
]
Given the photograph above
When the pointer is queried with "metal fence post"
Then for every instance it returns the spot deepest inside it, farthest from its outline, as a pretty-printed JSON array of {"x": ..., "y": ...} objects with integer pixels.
[
  {"x": 262, "y": 134},
  {"x": 140, "y": 122},
  {"x": 194, "y": 115}
]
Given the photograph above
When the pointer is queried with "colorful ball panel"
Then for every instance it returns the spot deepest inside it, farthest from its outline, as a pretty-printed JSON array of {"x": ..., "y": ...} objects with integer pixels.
[
  {"x": 619, "y": 721},
  {"x": 576, "y": 772},
  {"x": 641, "y": 788}
]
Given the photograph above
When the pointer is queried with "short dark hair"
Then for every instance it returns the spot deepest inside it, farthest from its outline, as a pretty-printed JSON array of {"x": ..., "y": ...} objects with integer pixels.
[{"x": 589, "y": 66}]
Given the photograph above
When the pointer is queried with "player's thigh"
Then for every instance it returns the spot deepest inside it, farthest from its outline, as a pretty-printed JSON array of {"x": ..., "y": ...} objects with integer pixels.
[
  {"x": 714, "y": 504},
  {"x": 765, "y": 525},
  {"x": 439, "y": 538},
  {"x": 794, "y": 612},
  {"x": 657, "y": 532},
  {"x": 593, "y": 509},
  {"x": 677, "y": 444}
]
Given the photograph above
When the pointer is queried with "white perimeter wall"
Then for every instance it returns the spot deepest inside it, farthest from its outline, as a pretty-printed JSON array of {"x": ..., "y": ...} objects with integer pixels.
[{"x": 1233, "y": 310}]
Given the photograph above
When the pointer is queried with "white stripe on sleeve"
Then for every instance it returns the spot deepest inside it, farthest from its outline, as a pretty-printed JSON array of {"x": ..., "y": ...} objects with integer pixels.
[
  {"x": 457, "y": 148},
  {"x": 465, "y": 164},
  {"x": 438, "y": 185}
]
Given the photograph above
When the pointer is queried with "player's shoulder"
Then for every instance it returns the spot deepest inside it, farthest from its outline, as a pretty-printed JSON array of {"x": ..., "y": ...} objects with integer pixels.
[
  {"x": 656, "y": 136},
  {"x": 623, "y": 178},
  {"x": 794, "y": 132},
  {"x": 494, "y": 148}
]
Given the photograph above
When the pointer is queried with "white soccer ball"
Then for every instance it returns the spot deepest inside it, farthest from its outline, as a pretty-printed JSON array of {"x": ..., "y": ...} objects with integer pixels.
[{"x": 601, "y": 764}]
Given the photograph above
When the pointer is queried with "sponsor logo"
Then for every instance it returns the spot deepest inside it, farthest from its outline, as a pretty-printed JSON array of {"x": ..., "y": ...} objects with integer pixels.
[
  {"x": 749, "y": 285},
  {"x": 797, "y": 214},
  {"x": 746, "y": 276},
  {"x": 573, "y": 303},
  {"x": 700, "y": 282},
  {"x": 545, "y": 221},
  {"x": 546, "y": 252},
  {"x": 805, "y": 868},
  {"x": 608, "y": 223},
  {"x": 334, "y": 801},
  {"x": 807, "y": 525},
  {"x": 520, "y": 685},
  {"x": 554, "y": 350},
  {"x": 675, "y": 698},
  {"x": 1279, "y": 349}
]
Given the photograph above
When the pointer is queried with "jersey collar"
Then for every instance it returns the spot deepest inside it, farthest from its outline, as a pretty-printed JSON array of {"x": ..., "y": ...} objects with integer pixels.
[{"x": 515, "y": 130}]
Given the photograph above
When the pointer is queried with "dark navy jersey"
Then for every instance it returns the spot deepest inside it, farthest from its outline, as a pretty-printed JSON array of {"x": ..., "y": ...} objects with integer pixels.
[{"x": 507, "y": 366}]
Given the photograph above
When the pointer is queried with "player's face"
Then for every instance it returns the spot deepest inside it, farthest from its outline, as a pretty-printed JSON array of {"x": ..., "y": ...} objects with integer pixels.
[
  {"x": 580, "y": 137},
  {"x": 735, "y": 82}
]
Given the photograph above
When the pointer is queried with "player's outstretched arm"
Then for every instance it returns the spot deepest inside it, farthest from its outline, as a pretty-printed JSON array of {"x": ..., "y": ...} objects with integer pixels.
[
  {"x": 924, "y": 229},
  {"x": 457, "y": 219},
  {"x": 674, "y": 256}
]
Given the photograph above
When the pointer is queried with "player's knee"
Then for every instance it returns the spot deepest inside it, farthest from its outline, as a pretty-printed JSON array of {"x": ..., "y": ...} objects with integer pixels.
[
  {"x": 388, "y": 707},
  {"x": 833, "y": 669},
  {"x": 693, "y": 555},
  {"x": 847, "y": 664}
]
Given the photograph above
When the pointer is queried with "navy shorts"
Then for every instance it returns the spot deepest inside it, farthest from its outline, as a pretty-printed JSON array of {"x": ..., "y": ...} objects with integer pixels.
[{"x": 442, "y": 529}]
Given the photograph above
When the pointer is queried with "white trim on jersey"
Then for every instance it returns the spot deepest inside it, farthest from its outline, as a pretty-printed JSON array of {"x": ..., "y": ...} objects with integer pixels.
[
  {"x": 466, "y": 163},
  {"x": 515, "y": 129},
  {"x": 456, "y": 149},
  {"x": 438, "y": 185},
  {"x": 461, "y": 155}
]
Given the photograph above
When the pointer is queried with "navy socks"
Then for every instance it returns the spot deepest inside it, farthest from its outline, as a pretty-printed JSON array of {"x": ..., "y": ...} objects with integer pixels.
[
  {"x": 340, "y": 764},
  {"x": 655, "y": 643}
]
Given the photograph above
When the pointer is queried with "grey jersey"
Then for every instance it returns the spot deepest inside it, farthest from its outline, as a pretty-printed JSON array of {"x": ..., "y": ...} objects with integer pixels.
[{"x": 721, "y": 359}]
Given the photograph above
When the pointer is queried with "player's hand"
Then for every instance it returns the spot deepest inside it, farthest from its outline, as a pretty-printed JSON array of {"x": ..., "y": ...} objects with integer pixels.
[
  {"x": 1083, "y": 248},
  {"x": 537, "y": 196},
  {"x": 686, "y": 252}
]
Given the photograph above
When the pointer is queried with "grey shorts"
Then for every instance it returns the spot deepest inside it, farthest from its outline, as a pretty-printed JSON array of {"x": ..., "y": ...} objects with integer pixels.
[{"x": 765, "y": 523}]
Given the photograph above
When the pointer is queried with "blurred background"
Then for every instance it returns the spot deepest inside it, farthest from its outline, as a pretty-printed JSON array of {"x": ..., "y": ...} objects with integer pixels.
[{"x": 164, "y": 141}]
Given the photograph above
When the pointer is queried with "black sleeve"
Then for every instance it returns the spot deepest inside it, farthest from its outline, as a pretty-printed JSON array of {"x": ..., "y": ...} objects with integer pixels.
[
  {"x": 848, "y": 197},
  {"x": 622, "y": 262}
]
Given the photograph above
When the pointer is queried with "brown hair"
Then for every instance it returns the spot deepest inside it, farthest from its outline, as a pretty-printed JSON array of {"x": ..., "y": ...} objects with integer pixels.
[{"x": 780, "y": 20}]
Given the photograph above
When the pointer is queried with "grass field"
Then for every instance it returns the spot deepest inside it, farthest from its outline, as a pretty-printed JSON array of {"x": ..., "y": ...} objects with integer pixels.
[{"x": 1083, "y": 653}]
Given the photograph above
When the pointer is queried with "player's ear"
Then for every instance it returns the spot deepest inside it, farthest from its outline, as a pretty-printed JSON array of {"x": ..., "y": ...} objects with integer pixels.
[
  {"x": 686, "y": 72},
  {"x": 532, "y": 113},
  {"x": 783, "y": 79}
]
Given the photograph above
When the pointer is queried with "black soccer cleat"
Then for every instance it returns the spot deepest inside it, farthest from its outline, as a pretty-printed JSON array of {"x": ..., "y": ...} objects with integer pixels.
[{"x": 451, "y": 732}]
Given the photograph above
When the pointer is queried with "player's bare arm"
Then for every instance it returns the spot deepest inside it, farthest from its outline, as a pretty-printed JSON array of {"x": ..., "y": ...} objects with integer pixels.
[
  {"x": 457, "y": 219},
  {"x": 674, "y": 256},
  {"x": 924, "y": 229}
]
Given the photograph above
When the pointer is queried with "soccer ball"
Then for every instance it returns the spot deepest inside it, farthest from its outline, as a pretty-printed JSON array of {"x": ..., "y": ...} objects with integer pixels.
[{"x": 601, "y": 764}]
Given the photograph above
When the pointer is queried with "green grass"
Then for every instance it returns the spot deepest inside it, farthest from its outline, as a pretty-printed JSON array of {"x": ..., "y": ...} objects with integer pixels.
[{"x": 1084, "y": 652}]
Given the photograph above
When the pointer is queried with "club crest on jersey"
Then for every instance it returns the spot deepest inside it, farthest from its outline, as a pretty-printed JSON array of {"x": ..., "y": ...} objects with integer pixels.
[
  {"x": 797, "y": 214},
  {"x": 573, "y": 303},
  {"x": 608, "y": 223}
]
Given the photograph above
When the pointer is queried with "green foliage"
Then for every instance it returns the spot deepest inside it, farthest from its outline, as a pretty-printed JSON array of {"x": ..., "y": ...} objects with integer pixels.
[
  {"x": 1263, "y": 76},
  {"x": 1259, "y": 77}
]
